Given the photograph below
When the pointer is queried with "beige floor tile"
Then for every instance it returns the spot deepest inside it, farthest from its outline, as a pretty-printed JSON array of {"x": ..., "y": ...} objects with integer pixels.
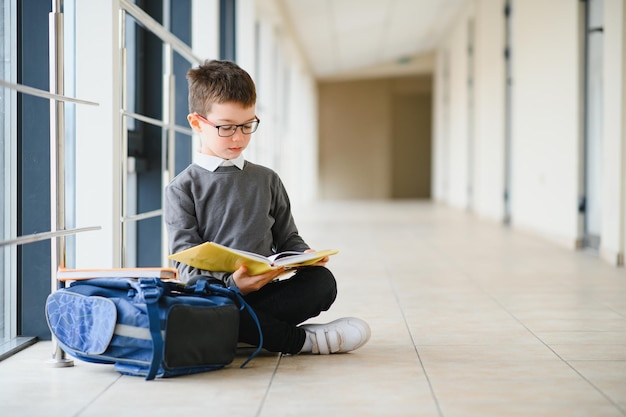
[
  {"x": 351, "y": 385},
  {"x": 602, "y": 352},
  {"x": 528, "y": 409},
  {"x": 470, "y": 336},
  {"x": 480, "y": 355},
  {"x": 583, "y": 337},
  {"x": 609, "y": 376},
  {"x": 577, "y": 324}
]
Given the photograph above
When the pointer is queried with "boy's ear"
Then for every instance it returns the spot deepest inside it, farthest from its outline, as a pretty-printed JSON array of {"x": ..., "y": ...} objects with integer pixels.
[{"x": 192, "y": 118}]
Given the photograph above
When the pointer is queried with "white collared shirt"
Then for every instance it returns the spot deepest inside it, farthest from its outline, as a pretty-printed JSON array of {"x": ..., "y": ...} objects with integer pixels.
[{"x": 211, "y": 163}]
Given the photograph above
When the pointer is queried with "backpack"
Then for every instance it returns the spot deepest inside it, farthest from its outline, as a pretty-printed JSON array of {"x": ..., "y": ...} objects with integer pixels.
[{"x": 149, "y": 327}]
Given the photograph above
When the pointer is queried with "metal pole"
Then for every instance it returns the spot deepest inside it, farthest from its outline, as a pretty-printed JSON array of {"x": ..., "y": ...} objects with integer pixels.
[
  {"x": 57, "y": 159},
  {"x": 123, "y": 186}
]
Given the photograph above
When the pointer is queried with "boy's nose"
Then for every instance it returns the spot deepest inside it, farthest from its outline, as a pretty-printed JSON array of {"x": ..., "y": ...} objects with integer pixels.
[{"x": 238, "y": 134}]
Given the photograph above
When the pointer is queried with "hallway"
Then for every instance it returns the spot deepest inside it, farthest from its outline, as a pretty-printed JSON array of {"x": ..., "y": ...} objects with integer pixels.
[{"x": 468, "y": 318}]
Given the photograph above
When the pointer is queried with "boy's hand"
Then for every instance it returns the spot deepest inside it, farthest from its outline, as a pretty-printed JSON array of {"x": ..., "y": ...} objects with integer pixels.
[
  {"x": 250, "y": 283},
  {"x": 321, "y": 262}
]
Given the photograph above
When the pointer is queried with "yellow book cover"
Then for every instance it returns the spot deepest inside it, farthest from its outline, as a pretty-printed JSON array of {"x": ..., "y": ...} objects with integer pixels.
[{"x": 211, "y": 256}]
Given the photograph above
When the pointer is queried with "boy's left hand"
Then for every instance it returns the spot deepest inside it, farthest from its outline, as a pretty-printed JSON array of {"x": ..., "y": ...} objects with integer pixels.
[
  {"x": 321, "y": 262},
  {"x": 250, "y": 283}
]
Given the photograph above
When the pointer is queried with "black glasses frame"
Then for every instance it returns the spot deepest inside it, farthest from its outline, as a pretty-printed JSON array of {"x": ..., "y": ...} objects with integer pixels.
[{"x": 232, "y": 128}]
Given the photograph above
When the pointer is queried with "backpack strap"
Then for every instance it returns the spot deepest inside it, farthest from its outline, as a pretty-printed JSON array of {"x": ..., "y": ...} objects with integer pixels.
[
  {"x": 150, "y": 290},
  {"x": 245, "y": 305}
]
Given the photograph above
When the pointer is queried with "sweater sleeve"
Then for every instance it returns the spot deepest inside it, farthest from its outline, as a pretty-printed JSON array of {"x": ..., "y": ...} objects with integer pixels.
[
  {"x": 183, "y": 232},
  {"x": 284, "y": 230}
]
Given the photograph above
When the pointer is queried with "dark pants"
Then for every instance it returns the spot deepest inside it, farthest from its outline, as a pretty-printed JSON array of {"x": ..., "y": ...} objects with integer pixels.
[{"x": 282, "y": 305}]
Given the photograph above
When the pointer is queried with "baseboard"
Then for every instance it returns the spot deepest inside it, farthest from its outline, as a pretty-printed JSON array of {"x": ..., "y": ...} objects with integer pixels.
[
  {"x": 13, "y": 346},
  {"x": 613, "y": 257}
]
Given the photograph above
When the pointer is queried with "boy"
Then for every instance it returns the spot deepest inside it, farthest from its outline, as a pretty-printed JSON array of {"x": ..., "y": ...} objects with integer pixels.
[{"x": 226, "y": 199}]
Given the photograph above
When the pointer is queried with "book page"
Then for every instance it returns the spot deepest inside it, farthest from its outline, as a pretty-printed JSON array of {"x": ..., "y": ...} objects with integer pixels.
[
  {"x": 285, "y": 254},
  {"x": 303, "y": 259}
]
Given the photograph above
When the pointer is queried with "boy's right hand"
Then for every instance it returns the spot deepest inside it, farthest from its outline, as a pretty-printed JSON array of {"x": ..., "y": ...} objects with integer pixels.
[{"x": 250, "y": 283}]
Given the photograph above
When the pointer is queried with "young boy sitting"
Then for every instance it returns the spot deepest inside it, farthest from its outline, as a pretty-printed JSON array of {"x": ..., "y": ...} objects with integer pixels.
[{"x": 223, "y": 198}]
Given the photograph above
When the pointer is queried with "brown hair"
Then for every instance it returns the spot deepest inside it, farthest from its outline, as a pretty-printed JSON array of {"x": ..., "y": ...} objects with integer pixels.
[{"x": 219, "y": 82}]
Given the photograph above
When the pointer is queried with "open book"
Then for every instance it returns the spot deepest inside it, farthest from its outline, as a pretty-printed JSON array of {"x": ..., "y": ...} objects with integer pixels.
[{"x": 211, "y": 256}]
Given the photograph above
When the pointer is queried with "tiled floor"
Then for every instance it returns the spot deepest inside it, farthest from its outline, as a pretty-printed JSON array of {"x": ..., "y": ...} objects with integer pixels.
[{"x": 468, "y": 318}]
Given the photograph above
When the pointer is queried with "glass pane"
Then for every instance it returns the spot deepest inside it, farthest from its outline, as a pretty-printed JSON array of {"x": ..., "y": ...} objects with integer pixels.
[
  {"x": 144, "y": 188},
  {"x": 183, "y": 142}
]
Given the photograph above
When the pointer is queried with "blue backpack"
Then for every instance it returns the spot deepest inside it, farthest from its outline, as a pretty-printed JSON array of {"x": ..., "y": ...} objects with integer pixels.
[{"x": 147, "y": 326}]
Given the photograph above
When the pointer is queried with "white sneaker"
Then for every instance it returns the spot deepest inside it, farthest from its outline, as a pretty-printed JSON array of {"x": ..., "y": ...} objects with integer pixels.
[{"x": 339, "y": 336}]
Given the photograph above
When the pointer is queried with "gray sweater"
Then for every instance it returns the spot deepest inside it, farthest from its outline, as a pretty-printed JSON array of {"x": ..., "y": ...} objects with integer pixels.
[{"x": 244, "y": 209}]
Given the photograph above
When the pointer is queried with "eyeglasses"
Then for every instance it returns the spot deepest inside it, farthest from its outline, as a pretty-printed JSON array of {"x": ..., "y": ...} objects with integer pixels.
[{"x": 226, "y": 131}]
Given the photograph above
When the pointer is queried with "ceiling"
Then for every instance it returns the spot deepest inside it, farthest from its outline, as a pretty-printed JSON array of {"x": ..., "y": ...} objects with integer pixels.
[{"x": 369, "y": 38}]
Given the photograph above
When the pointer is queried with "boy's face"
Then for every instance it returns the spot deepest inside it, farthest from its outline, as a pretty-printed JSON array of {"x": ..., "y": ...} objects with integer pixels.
[{"x": 223, "y": 114}]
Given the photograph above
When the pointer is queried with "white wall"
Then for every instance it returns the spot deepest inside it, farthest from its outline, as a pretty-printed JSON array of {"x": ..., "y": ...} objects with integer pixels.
[
  {"x": 457, "y": 143},
  {"x": 450, "y": 120},
  {"x": 205, "y": 28},
  {"x": 300, "y": 155},
  {"x": 97, "y": 134},
  {"x": 489, "y": 133},
  {"x": 286, "y": 100},
  {"x": 440, "y": 124},
  {"x": 546, "y": 119},
  {"x": 546, "y": 110},
  {"x": 614, "y": 135}
]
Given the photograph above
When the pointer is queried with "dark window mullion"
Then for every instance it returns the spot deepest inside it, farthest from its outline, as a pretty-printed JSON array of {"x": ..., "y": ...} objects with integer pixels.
[{"x": 228, "y": 29}]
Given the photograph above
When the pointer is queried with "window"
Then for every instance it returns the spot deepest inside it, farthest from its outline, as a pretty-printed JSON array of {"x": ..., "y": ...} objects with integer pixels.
[
  {"x": 158, "y": 139},
  {"x": 155, "y": 132}
]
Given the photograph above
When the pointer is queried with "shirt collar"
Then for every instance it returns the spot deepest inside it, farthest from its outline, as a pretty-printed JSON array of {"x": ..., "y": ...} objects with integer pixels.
[{"x": 211, "y": 163}]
